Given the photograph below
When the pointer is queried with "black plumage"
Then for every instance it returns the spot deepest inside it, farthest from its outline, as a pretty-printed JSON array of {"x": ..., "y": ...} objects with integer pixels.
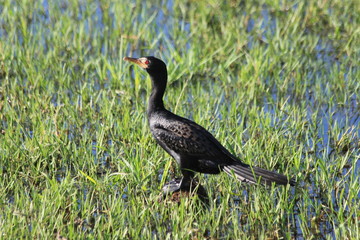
[{"x": 193, "y": 147}]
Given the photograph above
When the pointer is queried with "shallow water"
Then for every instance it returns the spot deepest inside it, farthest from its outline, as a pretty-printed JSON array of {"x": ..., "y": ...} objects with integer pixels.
[{"x": 342, "y": 116}]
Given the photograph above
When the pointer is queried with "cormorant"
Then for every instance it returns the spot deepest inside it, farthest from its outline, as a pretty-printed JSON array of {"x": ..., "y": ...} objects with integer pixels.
[{"x": 193, "y": 147}]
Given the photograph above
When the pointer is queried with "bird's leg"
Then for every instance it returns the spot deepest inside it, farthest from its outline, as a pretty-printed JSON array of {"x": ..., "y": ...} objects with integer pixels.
[
  {"x": 189, "y": 184},
  {"x": 186, "y": 183}
]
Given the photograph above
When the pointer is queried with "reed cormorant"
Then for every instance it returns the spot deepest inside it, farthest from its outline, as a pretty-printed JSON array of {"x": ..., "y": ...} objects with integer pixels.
[{"x": 193, "y": 147}]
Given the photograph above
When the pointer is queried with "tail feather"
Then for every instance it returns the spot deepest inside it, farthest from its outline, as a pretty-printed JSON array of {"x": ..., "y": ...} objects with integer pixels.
[{"x": 249, "y": 174}]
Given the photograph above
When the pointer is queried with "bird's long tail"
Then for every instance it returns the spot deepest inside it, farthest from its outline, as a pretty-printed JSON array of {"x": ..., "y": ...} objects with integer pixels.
[{"x": 249, "y": 174}]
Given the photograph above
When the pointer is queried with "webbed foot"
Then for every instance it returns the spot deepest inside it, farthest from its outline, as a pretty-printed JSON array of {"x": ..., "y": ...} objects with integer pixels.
[
  {"x": 172, "y": 186},
  {"x": 186, "y": 186}
]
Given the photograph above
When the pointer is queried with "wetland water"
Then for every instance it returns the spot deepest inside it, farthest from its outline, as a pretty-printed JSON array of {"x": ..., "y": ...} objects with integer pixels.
[{"x": 334, "y": 119}]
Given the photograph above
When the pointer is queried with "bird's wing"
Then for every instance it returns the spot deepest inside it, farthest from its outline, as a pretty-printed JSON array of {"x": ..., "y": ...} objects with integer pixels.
[{"x": 187, "y": 137}]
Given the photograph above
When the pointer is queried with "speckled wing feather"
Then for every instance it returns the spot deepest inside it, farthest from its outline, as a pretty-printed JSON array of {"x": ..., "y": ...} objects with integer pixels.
[{"x": 187, "y": 137}]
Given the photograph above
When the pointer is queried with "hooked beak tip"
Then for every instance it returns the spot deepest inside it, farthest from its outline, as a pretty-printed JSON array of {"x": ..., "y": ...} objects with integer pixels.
[{"x": 136, "y": 61}]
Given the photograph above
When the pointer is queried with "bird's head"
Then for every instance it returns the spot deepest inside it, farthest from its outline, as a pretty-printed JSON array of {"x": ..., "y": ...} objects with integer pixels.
[{"x": 151, "y": 64}]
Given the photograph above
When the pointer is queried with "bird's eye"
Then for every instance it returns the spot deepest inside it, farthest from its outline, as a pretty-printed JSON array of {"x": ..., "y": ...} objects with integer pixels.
[{"x": 147, "y": 62}]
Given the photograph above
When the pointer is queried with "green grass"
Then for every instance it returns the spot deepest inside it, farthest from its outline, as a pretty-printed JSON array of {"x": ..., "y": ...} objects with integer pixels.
[{"x": 277, "y": 82}]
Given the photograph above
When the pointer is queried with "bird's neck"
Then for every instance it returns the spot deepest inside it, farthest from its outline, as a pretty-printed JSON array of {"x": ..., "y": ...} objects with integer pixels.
[{"x": 158, "y": 89}]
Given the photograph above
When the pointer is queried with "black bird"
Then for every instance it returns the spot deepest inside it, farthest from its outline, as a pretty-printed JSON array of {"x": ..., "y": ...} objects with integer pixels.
[{"x": 193, "y": 147}]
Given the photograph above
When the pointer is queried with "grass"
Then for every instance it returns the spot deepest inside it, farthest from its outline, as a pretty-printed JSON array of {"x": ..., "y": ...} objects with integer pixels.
[{"x": 275, "y": 81}]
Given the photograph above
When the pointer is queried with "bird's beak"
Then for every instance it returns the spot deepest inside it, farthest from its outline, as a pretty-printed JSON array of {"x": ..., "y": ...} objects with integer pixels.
[{"x": 137, "y": 61}]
